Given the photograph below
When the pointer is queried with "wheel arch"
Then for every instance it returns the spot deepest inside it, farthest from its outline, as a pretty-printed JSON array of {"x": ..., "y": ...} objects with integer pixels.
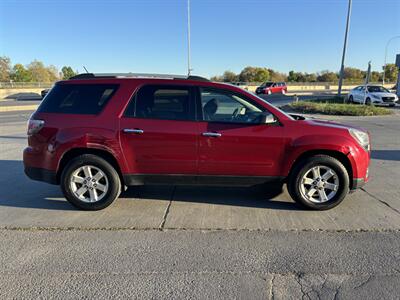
[
  {"x": 332, "y": 153},
  {"x": 72, "y": 153}
]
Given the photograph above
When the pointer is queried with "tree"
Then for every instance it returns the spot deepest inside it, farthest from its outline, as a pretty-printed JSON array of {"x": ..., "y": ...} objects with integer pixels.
[
  {"x": 39, "y": 72},
  {"x": 297, "y": 76},
  {"x": 229, "y": 76},
  {"x": 391, "y": 73},
  {"x": 20, "y": 74},
  {"x": 254, "y": 74},
  {"x": 5, "y": 68},
  {"x": 53, "y": 73},
  {"x": 217, "y": 78},
  {"x": 67, "y": 72},
  {"x": 376, "y": 76},
  {"x": 310, "y": 77},
  {"x": 327, "y": 76},
  {"x": 276, "y": 76},
  {"x": 353, "y": 74}
]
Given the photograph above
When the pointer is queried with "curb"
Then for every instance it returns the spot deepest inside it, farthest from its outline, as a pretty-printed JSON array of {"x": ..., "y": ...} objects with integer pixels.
[{"x": 18, "y": 108}]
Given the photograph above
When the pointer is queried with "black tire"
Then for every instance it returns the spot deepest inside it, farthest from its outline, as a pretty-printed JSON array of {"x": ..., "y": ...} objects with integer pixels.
[
  {"x": 351, "y": 100},
  {"x": 114, "y": 182},
  {"x": 368, "y": 101},
  {"x": 300, "y": 169}
]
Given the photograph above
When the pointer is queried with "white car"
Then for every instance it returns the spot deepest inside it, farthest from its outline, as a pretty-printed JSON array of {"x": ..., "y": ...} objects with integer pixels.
[{"x": 372, "y": 94}]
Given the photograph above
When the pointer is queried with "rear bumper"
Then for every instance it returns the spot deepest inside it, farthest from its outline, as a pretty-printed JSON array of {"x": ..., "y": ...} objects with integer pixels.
[{"x": 40, "y": 174}]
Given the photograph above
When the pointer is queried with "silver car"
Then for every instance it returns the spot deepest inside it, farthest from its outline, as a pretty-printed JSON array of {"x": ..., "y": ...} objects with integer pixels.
[{"x": 372, "y": 94}]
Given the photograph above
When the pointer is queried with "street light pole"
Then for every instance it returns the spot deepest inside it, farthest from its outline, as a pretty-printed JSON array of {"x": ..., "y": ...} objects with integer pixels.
[
  {"x": 344, "y": 49},
  {"x": 386, "y": 49},
  {"x": 188, "y": 37}
]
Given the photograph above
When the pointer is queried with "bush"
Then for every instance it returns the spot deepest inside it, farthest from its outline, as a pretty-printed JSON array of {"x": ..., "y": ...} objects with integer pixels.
[{"x": 330, "y": 107}]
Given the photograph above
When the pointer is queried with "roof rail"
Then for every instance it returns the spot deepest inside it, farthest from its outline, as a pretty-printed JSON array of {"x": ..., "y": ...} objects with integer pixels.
[{"x": 136, "y": 75}]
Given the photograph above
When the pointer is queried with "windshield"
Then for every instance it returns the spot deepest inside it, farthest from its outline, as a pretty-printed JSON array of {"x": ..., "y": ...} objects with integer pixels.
[
  {"x": 377, "y": 89},
  {"x": 267, "y": 84}
]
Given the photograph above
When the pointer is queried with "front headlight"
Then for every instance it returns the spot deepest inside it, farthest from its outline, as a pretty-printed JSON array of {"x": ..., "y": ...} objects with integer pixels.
[
  {"x": 361, "y": 137},
  {"x": 375, "y": 96}
]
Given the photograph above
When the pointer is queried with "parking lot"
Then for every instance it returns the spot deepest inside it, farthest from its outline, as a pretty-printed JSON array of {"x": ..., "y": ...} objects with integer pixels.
[{"x": 254, "y": 240}]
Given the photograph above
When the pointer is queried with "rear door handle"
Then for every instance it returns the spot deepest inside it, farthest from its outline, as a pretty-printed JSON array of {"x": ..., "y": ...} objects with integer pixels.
[
  {"x": 130, "y": 130},
  {"x": 211, "y": 134}
]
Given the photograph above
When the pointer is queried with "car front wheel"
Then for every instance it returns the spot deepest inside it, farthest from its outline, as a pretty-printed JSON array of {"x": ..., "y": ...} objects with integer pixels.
[
  {"x": 90, "y": 183},
  {"x": 319, "y": 182}
]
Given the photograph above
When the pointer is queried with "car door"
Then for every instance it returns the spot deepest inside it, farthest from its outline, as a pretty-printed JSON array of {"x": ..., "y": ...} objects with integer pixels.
[
  {"x": 275, "y": 88},
  {"x": 158, "y": 131},
  {"x": 362, "y": 94},
  {"x": 356, "y": 94},
  {"x": 232, "y": 140}
]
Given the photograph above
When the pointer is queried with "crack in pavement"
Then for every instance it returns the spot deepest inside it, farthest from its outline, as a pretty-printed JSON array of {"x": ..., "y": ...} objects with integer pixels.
[
  {"x": 166, "y": 212},
  {"x": 380, "y": 200},
  {"x": 200, "y": 229},
  {"x": 271, "y": 289},
  {"x": 364, "y": 282}
]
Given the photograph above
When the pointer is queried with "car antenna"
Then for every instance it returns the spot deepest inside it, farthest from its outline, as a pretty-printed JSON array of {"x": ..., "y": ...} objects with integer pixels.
[{"x": 86, "y": 69}]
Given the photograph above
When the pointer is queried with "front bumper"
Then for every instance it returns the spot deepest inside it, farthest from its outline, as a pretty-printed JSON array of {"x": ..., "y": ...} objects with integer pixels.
[{"x": 357, "y": 183}]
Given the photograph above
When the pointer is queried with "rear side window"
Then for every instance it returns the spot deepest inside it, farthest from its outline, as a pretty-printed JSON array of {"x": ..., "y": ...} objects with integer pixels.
[
  {"x": 163, "y": 103},
  {"x": 78, "y": 98}
]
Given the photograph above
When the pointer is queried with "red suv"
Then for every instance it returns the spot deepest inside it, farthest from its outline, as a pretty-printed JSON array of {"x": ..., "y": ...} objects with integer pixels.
[
  {"x": 272, "y": 88},
  {"x": 95, "y": 134}
]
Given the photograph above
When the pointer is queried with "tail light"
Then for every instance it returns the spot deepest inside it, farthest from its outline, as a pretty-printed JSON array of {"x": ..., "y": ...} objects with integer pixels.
[{"x": 34, "y": 126}]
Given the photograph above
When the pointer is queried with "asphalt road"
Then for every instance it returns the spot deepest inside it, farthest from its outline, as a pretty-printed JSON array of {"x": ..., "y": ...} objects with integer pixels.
[{"x": 190, "y": 242}]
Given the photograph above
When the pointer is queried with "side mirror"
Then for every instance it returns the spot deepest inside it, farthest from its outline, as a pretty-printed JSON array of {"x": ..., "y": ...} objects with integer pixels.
[{"x": 268, "y": 119}]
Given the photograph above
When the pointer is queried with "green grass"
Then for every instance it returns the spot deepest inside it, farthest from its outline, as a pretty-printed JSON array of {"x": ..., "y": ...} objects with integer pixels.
[{"x": 335, "y": 106}]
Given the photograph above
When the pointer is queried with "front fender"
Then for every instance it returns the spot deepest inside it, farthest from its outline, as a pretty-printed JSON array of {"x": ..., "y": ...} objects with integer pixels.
[{"x": 315, "y": 143}]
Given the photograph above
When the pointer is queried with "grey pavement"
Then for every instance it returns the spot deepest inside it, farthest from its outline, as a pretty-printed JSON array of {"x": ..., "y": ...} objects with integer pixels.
[
  {"x": 199, "y": 265},
  {"x": 192, "y": 242}
]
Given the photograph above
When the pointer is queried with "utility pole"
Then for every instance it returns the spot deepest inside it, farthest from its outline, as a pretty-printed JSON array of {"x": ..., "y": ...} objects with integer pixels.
[
  {"x": 368, "y": 75},
  {"x": 188, "y": 37},
  {"x": 386, "y": 49},
  {"x": 344, "y": 49}
]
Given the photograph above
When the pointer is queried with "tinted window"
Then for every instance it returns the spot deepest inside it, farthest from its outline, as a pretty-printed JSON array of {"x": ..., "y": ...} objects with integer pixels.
[
  {"x": 162, "y": 102},
  {"x": 267, "y": 84},
  {"x": 225, "y": 106},
  {"x": 77, "y": 98},
  {"x": 377, "y": 89}
]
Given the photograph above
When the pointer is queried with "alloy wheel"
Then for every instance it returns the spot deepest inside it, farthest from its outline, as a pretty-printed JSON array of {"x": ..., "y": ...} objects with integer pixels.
[
  {"x": 89, "y": 183},
  {"x": 319, "y": 184}
]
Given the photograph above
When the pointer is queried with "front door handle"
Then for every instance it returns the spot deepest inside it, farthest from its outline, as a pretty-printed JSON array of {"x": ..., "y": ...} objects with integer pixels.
[
  {"x": 130, "y": 130},
  {"x": 212, "y": 134}
]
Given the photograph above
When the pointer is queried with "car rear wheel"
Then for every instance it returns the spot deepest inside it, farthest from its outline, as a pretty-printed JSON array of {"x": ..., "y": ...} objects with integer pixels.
[
  {"x": 90, "y": 183},
  {"x": 319, "y": 182},
  {"x": 351, "y": 100},
  {"x": 368, "y": 101}
]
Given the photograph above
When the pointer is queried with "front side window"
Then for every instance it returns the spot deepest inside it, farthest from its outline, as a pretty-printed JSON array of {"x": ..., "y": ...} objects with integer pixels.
[
  {"x": 225, "y": 106},
  {"x": 163, "y": 103}
]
